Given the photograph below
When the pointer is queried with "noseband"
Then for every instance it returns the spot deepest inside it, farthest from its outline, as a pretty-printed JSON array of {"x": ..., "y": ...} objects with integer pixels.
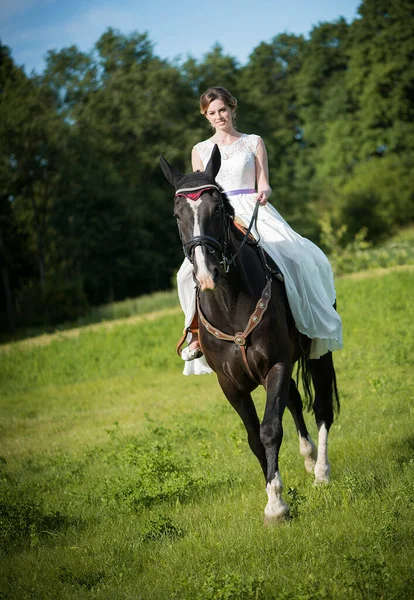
[{"x": 209, "y": 242}]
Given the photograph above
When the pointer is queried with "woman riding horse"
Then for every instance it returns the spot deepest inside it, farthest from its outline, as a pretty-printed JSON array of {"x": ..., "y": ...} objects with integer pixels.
[
  {"x": 307, "y": 273},
  {"x": 247, "y": 332}
]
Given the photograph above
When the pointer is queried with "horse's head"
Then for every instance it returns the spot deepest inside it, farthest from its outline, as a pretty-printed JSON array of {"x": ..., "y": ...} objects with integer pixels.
[{"x": 202, "y": 214}]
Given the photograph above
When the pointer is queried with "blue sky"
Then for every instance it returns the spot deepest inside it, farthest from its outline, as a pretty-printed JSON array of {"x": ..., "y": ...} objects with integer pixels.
[{"x": 177, "y": 29}]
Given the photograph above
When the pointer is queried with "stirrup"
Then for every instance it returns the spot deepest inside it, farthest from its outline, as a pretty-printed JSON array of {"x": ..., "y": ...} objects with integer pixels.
[{"x": 187, "y": 354}]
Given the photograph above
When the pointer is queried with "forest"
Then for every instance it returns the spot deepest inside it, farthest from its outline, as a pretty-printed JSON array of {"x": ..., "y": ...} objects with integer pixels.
[{"x": 86, "y": 216}]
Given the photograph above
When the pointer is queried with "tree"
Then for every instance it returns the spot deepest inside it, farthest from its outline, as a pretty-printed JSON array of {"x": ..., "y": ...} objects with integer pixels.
[
  {"x": 216, "y": 69},
  {"x": 367, "y": 117},
  {"x": 30, "y": 137},
  {"x": 380, "y": 78},
  {"x": 323, "y": 106},
  {"x": 120, "y": 238},
  {"x": 268, "y": 85},
  {"x": 30, "y": 134}
]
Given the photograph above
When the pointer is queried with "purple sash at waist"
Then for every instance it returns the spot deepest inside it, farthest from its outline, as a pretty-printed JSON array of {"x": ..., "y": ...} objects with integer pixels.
[{"x": 236, "y": 192}]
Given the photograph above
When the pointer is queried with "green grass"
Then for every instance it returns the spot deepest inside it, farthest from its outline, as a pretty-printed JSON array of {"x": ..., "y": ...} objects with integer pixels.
[
  {"x": 130, "y": 307},
  {"x": 122, "y": 479}
]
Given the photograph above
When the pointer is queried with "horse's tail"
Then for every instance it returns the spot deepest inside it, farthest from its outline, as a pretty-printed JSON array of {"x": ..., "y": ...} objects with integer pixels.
[{"x": 304, "y": 373}]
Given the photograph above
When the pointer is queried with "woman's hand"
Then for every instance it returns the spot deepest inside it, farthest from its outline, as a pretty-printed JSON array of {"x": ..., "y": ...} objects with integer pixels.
[{"x": 262, "y": 198}]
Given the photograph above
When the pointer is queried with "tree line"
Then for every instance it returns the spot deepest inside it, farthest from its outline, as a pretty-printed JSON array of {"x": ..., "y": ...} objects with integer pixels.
[{"x": 85, "y": 214}]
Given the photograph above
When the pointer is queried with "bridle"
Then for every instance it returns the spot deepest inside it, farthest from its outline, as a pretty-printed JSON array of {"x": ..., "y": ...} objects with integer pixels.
[
  {"x": 212, "y": 244},
  {"x": 240, "y": 338}
]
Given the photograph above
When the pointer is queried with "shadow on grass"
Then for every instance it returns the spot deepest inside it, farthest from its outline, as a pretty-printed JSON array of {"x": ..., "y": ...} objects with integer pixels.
[
  {"x": 404, "y": 450},
  {"x": 24, "y": 523}
]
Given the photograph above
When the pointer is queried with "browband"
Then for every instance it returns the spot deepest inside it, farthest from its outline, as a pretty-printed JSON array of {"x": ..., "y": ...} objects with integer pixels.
[{"x": 195, "y": 192}]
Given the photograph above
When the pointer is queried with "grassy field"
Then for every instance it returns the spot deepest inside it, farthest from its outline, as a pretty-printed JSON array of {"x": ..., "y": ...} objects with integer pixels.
[{"x": 122, "y": 479}]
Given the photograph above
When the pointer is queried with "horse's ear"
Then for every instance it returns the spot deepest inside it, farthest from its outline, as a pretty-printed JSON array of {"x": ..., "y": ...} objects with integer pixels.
[
  {"x": 214, "y": 164},
  {"x": 172, "y": 174}
]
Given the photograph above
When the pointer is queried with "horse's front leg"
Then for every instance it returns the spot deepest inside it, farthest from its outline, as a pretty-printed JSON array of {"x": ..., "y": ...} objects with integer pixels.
[
  {"x": 271, "y": 434},
  {"x": 242, "y": 402}
]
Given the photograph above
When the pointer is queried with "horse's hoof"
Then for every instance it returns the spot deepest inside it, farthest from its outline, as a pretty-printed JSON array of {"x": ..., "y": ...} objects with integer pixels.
[
  {"x": 321, "y": 481},
  {"x": 309, "y": 452},
  {"x": 278, "y": 520},
  {"x": 281, "y": 516},
  {"x": 322, "y": 473},
  {"x": 310, "y": 464}
]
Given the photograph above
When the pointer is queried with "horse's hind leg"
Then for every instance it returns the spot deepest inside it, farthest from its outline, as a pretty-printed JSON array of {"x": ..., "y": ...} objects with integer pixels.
[
  {"x": 307, "y": 447},
  {"x": 323, "y": 376}
]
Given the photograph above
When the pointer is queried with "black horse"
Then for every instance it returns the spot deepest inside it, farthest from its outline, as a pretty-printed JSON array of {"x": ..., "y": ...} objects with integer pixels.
[{"x": 247, "y": 332}]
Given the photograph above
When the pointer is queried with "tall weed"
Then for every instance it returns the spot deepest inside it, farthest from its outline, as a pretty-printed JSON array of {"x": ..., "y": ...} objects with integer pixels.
[{"x": 358, "y": 254}]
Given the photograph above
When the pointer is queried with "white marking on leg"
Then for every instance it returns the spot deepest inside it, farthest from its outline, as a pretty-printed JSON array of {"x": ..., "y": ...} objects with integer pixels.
[
  {"x": 275, "y": 507},
  {"x": 322, "y": 467},
  {"x": 308, "y": 450},
  {"x": 203, "y": 275}
]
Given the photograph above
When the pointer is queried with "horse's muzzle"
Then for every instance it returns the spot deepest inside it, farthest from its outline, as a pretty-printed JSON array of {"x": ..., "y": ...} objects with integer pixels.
[
  {"x": 207, "y": 285},
  {"x": 207, "y": 281}
]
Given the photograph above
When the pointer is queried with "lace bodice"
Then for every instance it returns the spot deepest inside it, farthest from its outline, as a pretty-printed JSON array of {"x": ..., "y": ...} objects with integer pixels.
[{"x": 238, "y": 170}]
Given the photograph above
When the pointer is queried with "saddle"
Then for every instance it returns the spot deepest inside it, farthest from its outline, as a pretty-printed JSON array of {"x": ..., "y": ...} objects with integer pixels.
[
  {"x": 268, "y": 262},
  {"x": 243, "y": 229}
]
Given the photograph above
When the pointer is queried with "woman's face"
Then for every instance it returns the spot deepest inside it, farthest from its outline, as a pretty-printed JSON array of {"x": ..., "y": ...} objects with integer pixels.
[{"x": 219, "y": 115}]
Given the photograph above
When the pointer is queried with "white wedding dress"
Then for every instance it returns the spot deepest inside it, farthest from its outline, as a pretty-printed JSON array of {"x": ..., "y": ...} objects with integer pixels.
[{"x": 307, "y": 273}]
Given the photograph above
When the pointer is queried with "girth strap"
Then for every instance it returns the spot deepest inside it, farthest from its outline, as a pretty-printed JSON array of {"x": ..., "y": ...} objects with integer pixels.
[{"x": 240, "y": 338}]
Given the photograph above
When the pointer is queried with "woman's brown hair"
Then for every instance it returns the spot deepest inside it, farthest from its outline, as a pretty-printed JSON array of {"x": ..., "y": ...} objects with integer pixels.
[{"x": 217, "y": 93}]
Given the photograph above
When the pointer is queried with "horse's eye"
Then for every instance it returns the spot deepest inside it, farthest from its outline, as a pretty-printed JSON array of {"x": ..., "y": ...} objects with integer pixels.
[{"x": 217, "y": 209}]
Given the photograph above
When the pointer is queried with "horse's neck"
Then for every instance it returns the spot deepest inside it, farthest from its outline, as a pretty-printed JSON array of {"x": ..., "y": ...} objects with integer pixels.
[
  {"x": 248, "y": 274},
  {"x": 235, "y": 297}
]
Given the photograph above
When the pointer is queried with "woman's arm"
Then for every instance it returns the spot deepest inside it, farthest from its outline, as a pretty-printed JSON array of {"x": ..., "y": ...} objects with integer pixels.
[
  {"x": 196, "y": 160},
  {"x": 262, "y": 173}
]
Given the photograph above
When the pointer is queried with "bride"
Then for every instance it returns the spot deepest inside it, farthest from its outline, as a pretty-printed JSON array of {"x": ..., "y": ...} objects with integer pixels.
[{"x": 307, "y": 273}]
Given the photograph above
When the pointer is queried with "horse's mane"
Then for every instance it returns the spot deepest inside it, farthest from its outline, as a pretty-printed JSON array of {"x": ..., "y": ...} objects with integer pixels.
[
  {"x": 228, "y": 207},
  {"x": 226, "y": 202}
]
